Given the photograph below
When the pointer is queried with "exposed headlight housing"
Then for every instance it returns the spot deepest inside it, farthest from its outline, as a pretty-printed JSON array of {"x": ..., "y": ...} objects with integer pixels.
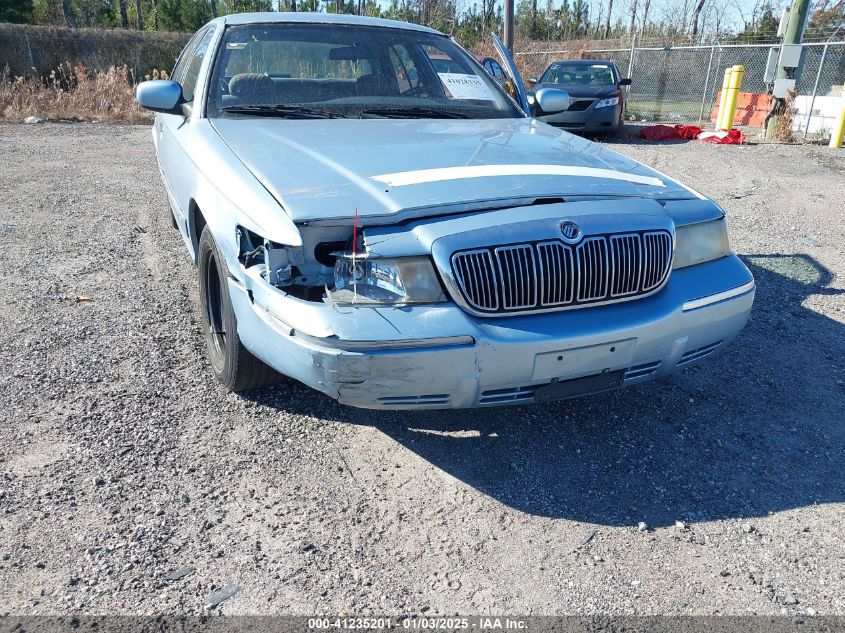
[
  {"x": 702, "y": 242},
  {"x": 606, "y": 103},
  {"x": 385, "y": 281}
]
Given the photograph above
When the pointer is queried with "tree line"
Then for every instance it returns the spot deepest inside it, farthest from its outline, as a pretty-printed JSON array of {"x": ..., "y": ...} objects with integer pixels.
[{"x": 470, "y": 21}]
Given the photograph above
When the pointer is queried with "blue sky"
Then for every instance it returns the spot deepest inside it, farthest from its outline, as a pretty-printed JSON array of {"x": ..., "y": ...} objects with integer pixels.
[{"x": 732, "y": 11}]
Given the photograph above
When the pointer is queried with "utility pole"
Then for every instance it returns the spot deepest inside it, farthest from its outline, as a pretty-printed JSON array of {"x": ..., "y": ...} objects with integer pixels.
[
  {"x": 793, "y": 34},
  {"x": 508, "y": 30}
]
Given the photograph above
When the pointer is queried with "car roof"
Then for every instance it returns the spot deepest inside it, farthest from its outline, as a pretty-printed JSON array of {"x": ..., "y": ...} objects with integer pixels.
[
  {"x": 583, "y": 62},
  {"x": 301, "y": 17}
]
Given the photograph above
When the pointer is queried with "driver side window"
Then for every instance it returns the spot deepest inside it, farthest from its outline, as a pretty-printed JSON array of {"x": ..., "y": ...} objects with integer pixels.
[{"x": 193, "y": 63}]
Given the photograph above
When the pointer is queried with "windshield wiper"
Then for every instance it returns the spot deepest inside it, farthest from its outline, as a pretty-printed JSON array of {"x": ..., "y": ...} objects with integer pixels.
[
  {"x": 412, "y": 113},
  {"x": 282, "y": 110}
]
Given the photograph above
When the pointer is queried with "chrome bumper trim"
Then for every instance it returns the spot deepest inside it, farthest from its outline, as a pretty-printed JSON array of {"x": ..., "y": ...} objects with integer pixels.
[
  {"x": 361, "y": 346},
  {"x": 719, "y": 296}
]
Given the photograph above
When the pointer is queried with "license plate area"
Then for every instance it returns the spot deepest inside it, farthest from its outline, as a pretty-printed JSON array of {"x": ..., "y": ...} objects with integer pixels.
[
  {"x": 561, "y": 390},
  {"x": 584, "y": 361}
]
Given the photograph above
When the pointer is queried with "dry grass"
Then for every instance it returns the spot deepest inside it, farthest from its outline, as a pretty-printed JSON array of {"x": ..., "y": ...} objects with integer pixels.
[
  {"x": 784, "y": 125},
  {"x": 71, "y": 93}
]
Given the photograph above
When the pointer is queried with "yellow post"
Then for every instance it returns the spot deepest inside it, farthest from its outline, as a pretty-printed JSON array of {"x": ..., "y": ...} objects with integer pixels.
[
  {"x": 726, "y": 82},
  {"x": 726, "y": 123},
  {"x": 736, "y": 82},
  {"x": 838, "y": 130}
]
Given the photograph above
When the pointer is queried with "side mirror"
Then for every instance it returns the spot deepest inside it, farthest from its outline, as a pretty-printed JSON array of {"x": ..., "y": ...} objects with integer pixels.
[
  {"x": 551, "y": 100},
  {"x": 533, "y": 81},
  {"x": 160, "y": 95},
  {"x": 625, "y": 82}
]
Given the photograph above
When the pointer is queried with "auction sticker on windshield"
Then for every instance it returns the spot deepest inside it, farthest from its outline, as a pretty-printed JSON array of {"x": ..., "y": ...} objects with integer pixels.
[{"x": 462, "y": 86}]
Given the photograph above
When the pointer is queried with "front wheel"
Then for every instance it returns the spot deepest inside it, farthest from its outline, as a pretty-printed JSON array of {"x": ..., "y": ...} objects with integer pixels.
[{"x": 232, "y": 364}]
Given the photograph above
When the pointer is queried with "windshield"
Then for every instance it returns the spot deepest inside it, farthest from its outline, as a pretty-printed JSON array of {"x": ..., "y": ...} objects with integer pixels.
[
  {"x": 309, "y": 70},
  {"x": 584, "y": 74}
]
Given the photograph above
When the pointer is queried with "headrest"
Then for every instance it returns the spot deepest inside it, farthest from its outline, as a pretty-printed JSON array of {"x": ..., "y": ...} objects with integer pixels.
[{"x": 249, "y": 83}]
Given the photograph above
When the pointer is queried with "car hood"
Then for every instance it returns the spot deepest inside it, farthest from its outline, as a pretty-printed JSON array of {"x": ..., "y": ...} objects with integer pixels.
[
  {"x": 582, "y": 91},
  {"x": 389, "y": 168}
]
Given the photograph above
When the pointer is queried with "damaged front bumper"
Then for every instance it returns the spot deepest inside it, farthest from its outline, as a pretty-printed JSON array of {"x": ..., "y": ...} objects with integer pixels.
[{"x": 438, "y": 356}]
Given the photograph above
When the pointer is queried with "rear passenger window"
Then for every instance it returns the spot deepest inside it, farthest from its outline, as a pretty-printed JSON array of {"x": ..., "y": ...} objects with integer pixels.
[{"x": 194, "y": 63}]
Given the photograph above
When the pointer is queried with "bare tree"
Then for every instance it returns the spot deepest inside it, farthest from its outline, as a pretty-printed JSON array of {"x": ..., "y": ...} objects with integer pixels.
[
  {"x": 533, "y": 16},
  {"x": 214, "y": 8},
  {"x": 487, "y": 9},
  {"x": 139, "y": 16},
  {"x": 696, "y": 14},
  {"x": 67, "y": 11},
  {"x": 633, "y": 21},
  {"x": 607, "y": 23},
  {"x": 124, "y": 16},
  {"x": 644, "y": 18}
]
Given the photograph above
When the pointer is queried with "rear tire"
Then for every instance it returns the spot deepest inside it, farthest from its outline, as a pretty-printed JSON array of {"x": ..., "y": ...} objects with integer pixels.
[{"x": 233, "y": 365}]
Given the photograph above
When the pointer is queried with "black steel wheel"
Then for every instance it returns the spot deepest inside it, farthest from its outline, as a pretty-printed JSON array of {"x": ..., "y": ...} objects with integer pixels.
[{"x": 232, "y": 364}]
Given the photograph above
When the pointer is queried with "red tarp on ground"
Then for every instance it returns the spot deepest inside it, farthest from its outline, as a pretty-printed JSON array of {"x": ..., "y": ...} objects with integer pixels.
[
  {"x": 729, "y": 137},
  {"x": 690, "y": 132},
  {"x": 670, "y": 132}
]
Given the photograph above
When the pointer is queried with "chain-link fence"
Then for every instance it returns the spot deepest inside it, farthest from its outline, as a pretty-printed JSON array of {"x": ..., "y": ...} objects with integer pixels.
[
  {"x": 36, "y": 51},
  {"x": 680, "y": 84}
]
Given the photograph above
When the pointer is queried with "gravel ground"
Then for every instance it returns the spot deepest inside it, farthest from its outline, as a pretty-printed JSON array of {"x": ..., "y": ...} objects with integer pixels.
[{"x": 123, "y": 460}]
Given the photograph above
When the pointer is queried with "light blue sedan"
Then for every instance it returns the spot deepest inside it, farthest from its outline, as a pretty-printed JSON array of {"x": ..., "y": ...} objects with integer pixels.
[{"x": 398, "y": 237}]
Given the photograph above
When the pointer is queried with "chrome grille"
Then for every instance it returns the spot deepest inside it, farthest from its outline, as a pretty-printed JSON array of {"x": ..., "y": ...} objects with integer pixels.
[
  {"x": 548, "y": 275},
  {"x": 558, "y": 266},
  {"x": 475, "y": 273},
  {"x": 517, "y": 272},
  {"x": 657, "y": 251},
  {"x": 593, "y": 269},
  {"x": 626, "y": 251},
  {"x": 579, "y": 105}
]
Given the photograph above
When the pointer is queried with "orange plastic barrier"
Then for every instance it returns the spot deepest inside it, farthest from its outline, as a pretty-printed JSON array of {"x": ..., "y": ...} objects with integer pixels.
[{"x": 751, "y": 109}]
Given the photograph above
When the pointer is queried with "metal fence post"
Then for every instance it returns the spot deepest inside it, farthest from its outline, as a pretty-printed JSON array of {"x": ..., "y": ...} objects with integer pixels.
[
  {"x": 29, "y": 50},
  {"x": 631, "y": 56},
  {"x": 815, "y": 90},
  {"x": 818, "y": 76},
  {"x": 630, "y": 73},
  {"x": 706, "y": 84}
]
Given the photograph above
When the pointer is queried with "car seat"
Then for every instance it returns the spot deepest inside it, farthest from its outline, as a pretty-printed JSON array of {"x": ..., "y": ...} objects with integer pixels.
[{"x": 252, "y": 88}]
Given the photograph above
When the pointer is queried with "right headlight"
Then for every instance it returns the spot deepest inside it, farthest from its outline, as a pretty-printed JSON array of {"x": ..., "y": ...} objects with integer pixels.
[
  {"x": 386, "y": 281},
  {"x": 702, "y": 242}
]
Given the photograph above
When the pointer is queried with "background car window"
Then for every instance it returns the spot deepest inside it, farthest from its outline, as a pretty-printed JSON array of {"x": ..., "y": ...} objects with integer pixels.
[
  {"x": 192, "y": 72},
  {"x": 585, "y": 74}
]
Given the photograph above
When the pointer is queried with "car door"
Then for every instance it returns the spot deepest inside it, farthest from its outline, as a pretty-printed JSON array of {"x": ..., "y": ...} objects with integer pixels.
[
  {"x": 172, "y": 129},
  {"x": 500, "y": 76},
  {"x": 507, "y": 60}
]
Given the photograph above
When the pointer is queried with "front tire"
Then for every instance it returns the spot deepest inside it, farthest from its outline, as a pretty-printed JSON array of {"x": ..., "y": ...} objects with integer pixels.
[{"x": 233, "y": 365}]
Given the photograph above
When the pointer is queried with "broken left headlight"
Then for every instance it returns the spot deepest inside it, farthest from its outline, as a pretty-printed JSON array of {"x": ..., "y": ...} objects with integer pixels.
[{"x": 401, "y": 280}]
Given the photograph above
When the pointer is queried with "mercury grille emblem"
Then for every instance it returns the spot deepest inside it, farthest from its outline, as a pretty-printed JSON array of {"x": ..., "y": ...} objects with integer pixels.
[{"x": 570, "y": 230}]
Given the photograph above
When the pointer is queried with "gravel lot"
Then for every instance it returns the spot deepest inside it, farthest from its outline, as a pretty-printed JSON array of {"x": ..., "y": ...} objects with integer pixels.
[{"x": 123, "y": 460}]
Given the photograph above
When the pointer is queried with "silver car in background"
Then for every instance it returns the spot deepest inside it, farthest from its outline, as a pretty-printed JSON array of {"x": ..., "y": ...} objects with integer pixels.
[{"x": 398, "y": 237}]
